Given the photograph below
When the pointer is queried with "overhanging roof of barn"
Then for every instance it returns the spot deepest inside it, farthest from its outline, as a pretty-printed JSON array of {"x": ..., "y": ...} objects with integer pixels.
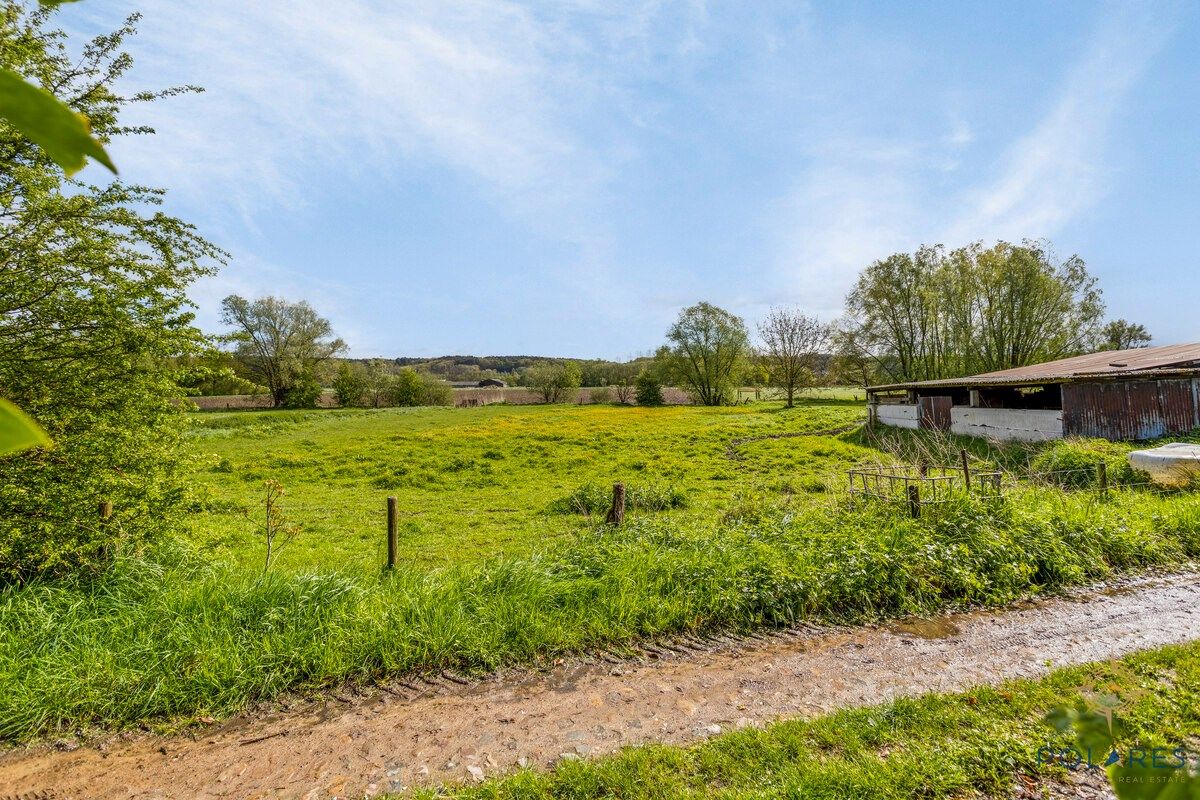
[{"x": 1147, "y": 362}]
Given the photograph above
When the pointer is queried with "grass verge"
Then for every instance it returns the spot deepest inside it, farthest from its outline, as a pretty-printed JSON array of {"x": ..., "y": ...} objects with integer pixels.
[
  {"x": 936, "y": 746},
  {"x": 175, "y": 637}
]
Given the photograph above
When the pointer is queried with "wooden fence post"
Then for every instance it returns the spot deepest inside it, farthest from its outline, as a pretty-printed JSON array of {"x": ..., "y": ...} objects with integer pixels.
[
  {"x": 966, "y": 465},
  {"x": 616, "y": 514},
  {"x": 391, "y": 542},
  {"x": 914, "y": 500},
  {"x": 1102, "y": 475},
  {"x": 105, "y": 510}
]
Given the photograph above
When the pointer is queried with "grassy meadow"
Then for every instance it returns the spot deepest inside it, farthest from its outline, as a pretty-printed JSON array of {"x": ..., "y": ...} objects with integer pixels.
[
  {"x": 481, "y": 482},
  {"x": 499, "y": 566}
]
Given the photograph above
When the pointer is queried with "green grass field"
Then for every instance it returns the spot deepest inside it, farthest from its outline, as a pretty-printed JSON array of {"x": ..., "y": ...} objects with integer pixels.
[
  {"x": 474, "y": 483},
  {"x": 496, "y": 568}
]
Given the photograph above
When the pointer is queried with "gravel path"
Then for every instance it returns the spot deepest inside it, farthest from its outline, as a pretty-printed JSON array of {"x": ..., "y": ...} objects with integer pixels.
[{"x": 420, "y": 733}]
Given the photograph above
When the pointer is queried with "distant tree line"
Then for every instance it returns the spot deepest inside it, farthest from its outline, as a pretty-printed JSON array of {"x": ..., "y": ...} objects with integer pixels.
[{"x": 934, "y": 313}]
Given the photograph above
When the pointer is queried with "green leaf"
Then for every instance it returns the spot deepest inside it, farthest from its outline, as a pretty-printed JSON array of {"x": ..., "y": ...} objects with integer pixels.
[
  {"x": 63, "y": 134},
  {"x": 1140, "y": 782},
  {"x": 18, "y": 431},
  {"x": 53, "y": 3}
]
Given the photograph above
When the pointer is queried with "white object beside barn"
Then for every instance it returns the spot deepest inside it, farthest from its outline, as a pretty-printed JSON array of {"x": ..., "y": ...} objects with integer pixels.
[{"x": 1172, "y": 464}]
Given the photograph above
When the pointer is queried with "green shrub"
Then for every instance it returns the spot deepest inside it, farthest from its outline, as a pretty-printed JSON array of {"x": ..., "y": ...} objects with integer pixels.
[
  {"x": 601, "y": 394},
  {"x": 649, "y": 390},
  {"x": 1074, "y": 463},
  {"x": 304, "y": 393},
  {"x": 435, "y": 392},
  {"x": 409, "y": 388},
  {"x": 350, "y": 385},
  {"x": 594, "y": 498}
]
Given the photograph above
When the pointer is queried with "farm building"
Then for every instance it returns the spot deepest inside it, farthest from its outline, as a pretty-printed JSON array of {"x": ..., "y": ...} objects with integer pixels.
[{"x": 1117, "y": 394}]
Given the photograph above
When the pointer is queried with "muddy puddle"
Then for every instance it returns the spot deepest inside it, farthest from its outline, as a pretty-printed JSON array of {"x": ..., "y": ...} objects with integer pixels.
[{"x": 418, "y": 733}]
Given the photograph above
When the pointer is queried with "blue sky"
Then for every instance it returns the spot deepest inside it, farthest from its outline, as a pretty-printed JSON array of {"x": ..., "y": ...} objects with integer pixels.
[{"x": 560, "y": 179}]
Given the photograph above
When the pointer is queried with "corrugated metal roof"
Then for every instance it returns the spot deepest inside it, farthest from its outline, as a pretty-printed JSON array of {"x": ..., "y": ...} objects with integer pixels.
[{"x": 1143, "y": 362}]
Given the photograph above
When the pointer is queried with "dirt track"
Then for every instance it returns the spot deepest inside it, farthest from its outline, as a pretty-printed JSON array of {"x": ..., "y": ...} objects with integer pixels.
[{"x": 404, "y": 735}]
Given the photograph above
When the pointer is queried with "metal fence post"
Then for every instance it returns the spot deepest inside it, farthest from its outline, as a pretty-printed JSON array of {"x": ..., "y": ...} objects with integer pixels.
[
  {"x": 391, "y": 533},
  {"x": 914, "y": 500}
]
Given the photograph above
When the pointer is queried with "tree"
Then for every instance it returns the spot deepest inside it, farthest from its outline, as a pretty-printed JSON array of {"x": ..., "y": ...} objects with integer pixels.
[
  {"x": 933, "y": 315},
  {"x": 649, "y": 390},
  {"x": 556, "y": 383},
  {"x": 404, "y": 389},
  {"x": 93, "y": 312},
  {"x": 350, "y": 385},
  {"x": 280, "y": 343},
  {"x": 852, "y": 363},
  {"x": 212, "y": 372},
  {"x": 624, "y": 377},
  {"x": 1121, "y": 334},
  {"x": 411, "y": 388},
  {"x": 791, "y": 349},
  {"x": 706, "y": 350},
  {"x": 377, "y": 383}
]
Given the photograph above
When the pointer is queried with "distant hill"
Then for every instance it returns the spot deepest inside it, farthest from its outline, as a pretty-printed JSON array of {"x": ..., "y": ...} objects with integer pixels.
[{"x": 459, "y": 368}]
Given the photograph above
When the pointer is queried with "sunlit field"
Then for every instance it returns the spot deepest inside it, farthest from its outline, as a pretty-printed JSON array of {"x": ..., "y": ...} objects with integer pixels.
[
  {"x": 478, "y": 482},
  {"x": 738, "y": 518}
]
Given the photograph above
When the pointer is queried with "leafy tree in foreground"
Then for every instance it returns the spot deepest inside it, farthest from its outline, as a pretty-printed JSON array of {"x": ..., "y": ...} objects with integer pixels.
[
  {"x": 92, "y": 308},
  {"x": 280, "y": 344},
  {"x": 210, "y": 373},
  {"x": 706, "y": 349},
  {"x": 791, "y": 348},
  {"x": 1122, "y": 334}
]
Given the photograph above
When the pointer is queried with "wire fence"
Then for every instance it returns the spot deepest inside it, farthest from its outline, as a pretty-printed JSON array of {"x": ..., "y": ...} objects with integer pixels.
[{"x": 918, "y": 485}]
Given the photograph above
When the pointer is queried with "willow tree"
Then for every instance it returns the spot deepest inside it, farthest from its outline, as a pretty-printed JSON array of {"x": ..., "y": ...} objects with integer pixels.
[
  {"x": 281, "y": 344},
  {"x": 934, "y": 314},
  {"x": 93, "y": 307},
  {"x": 706, "y": 349}
]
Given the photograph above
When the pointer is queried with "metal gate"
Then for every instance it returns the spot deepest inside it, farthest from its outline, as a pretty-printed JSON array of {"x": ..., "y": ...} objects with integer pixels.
[{"x": 933, "y": 413}]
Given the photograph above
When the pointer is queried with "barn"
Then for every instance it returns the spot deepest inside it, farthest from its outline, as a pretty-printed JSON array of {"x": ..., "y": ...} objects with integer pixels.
[{"x": 1117, "y": 394}]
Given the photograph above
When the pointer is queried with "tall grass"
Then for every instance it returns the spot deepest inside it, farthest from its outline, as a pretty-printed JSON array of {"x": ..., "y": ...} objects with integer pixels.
[{"x": 174, "y": 637}]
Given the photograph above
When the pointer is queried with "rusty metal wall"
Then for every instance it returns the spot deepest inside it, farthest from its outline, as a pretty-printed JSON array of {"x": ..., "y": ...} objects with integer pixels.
[{"x": 1130, "y": 409}]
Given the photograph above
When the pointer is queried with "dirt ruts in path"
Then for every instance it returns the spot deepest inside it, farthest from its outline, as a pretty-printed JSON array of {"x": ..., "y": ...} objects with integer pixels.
[{"x": 405, "y": 735}]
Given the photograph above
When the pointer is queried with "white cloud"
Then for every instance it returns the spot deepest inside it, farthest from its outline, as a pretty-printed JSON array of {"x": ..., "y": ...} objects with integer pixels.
[
  {"x": 1058, "y": 169},
  {"x": 300, "y": 87},
  {"x": 869, "y": 199}
]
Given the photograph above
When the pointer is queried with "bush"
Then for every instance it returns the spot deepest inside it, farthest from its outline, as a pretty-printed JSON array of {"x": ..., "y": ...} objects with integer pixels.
[
  {"x": 410, "y": 388},
  {"x": 350, "y": 385},
  {"x": 1073, "y": 463},
  {"x": 594, "y": 498},
  {"x": 649, "y": 390},
  {"x": 93, "y": 292},
  {"x": 435, "y": 392},
  {"x": 304, "y": 393},
  {"x": 601, "y": 394},
  {"x": 556, "y": 383}
]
